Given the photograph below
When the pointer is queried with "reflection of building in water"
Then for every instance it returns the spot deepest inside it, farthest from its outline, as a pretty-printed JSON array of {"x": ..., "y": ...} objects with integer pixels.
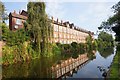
[{"x": 70, "y": 66}]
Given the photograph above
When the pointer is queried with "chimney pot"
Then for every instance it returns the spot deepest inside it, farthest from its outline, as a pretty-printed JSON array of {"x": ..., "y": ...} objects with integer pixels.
[
  {"x": 52, "y": 17},
  {"x": 14, "y": 11},
  {"x": 61, "y": 22},
  {"x": 19, "y": 11}
]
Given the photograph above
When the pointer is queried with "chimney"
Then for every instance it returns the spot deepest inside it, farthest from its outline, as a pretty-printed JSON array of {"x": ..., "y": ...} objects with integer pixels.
[
  {"x": 52, "y": 19},
  {"x": 61, "y": 22},
  {"x": 57, "y": 20},
  {"x": 14, "y": 11},
  {"x": 19, "y": 12}
]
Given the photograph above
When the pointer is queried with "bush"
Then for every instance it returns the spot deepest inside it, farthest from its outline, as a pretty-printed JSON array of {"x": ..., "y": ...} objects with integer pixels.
[
  {"x": 82, "y": 48},
  {"x": 74, "y": 44},
  {"x": 13, "y": 38},
  {"x": 55, "y": 49},
  {"x": 5, "y": 32}
]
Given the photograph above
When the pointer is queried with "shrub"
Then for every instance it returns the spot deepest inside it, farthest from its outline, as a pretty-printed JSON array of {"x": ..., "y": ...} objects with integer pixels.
[
  {"x": 55, "y": 49},
  {"x": 74, "y": 44}
]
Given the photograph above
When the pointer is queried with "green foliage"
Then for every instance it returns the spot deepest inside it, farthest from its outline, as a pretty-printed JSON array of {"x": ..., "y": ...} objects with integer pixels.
[
  {"x": 105, "y": 37},
  {"x": 74, "y": 44},
  {"x": 95, "y": 45},
  {"x": 89, "y": 42},
  {"x": 56, "y": 49},
  {"x": 106, "y": 51},
  {"x": 82, "y": 48},
  {"x": 14, "y": 37},
  {"x": 73, "y": 48},
  {"x": 5, "y": 31},
  {"x": 67, "y": 46},
  {"x": 39, "y": 26},
  {"x": 33, "y": 39},
  {"x": 113, "y": 23},
  {"x": 3, "y": 15},
  {"x": 91, "y": 54},
  {"x": 17, "y": 47},
  {"x": 105, "y": 40},
  {"x": 18, "y": 53},
  {"x": 114, "y": 70}
]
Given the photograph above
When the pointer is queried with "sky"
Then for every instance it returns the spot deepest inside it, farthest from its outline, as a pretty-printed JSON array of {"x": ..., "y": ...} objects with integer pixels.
[{"x": 84, "y": 14}]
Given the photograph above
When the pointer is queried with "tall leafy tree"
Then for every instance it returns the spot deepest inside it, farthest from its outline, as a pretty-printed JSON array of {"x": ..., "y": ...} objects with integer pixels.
[
  {"x": 105, "y": 40},
  {"x": 113, "y": 23},
  {"x": 39, "y": 26},
  {"x": 3, "y": 15},
  {"x": 105, "y": 37}
]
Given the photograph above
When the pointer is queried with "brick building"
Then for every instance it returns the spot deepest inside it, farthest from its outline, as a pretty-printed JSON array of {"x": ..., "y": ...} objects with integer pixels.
[
  {"x": 63, "y": 32},
  {"x": 16, "y": 20}
]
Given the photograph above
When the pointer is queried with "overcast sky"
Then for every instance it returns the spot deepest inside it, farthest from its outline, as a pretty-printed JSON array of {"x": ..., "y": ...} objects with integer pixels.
[{"x": 85, "y": 14}]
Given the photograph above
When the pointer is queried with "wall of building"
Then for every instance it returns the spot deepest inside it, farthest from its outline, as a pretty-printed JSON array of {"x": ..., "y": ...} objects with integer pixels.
[
  {"x": 64, "y": 33},
  {"x": 67, "y": 35},
  {"x": 17, "y": 23}
]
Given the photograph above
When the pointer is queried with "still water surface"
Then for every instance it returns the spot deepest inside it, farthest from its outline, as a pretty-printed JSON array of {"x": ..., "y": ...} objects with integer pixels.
[{"x": 65, "y": 66}]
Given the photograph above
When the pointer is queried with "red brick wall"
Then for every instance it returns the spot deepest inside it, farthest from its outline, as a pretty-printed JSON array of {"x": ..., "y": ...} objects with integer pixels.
[{"x": 12, "y": 22}]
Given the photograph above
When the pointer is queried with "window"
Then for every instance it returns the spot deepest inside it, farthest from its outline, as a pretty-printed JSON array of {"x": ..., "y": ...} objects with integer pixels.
[
  {"x": 64, "y": 36},
  {"x": 16, "y": 27},
  {"x": 55, "y": 35},
  {"x": 68, "y": 30},
  {"x": 62, "y": 42},
  {"x": 18, "y": 21},
  {"x": 60, "y": 36},
  {"x": 68, "y": 36},
  {"x": 55, "y": 28},
  {"x": 64, "y": 30},
  {"x": 60, "y": 28}
]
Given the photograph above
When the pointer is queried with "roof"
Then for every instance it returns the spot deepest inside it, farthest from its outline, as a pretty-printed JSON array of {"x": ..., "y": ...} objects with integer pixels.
[
  {"x": 24, "y": 13},
  {"x": 18, "y": 16}
]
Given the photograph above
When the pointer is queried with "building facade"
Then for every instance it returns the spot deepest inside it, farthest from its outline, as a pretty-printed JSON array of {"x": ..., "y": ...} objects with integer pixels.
[
  {"x": 63, "y": 32},
  {"x": 16, "y": 21},
  {"x": 66, "y": 33}
]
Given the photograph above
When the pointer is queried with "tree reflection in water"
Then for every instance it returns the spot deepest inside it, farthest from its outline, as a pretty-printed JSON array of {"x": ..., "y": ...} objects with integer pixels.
[
  {"x": 105, "y": 52},
  {"x": 53, "y": 67}
]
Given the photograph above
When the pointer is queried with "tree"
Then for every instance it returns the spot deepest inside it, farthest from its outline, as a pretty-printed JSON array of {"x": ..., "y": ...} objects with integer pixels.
[
  {"x": 3, "y": 15},
  {"x": 39, "y": 26},
  {"x": 113, "y": 23},
  {"x": 14, "y": 38},
  {"x": 5, "y": 32},
  {"x": 89, "y": 42},
  {"x": 105, "y": 39}
]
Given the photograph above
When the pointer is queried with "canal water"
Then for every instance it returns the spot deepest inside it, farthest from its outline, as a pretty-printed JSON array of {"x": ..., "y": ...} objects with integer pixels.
[{"x": 64, "y": 66}]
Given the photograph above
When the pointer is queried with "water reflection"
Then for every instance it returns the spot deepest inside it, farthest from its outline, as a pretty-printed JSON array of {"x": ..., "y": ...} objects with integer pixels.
[
  {"x": 67, "y": 67},
  {"x": 55, "y": 67},
  {"x": 105, "y": 52},
  {"x": 60, "y": 66}
]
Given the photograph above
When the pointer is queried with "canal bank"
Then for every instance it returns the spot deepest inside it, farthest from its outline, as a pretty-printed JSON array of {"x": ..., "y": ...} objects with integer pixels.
[
  {"x": 114, "y": 71},
  {"x": 64, "y": 66}
]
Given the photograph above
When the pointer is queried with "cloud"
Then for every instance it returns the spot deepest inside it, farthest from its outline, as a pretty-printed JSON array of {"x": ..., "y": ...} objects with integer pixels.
[
  {"x": 14, "y": 0},
  {"x": 101, "y": 10},
  {"x": 55, "y": 9},
  {"x": 61, "y": 0},
  {"x": 94, "y": 14},
  {"x": 24, "y": 7}
]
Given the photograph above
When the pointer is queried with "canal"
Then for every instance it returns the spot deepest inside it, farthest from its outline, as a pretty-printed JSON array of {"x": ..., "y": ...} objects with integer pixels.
[{"x": 91, "y": 64}]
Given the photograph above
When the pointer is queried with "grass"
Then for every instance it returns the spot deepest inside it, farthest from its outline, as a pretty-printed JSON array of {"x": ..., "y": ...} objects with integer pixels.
[
  {"x": 0, "y": 60},
  {"x": 114, "y": 70}
]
